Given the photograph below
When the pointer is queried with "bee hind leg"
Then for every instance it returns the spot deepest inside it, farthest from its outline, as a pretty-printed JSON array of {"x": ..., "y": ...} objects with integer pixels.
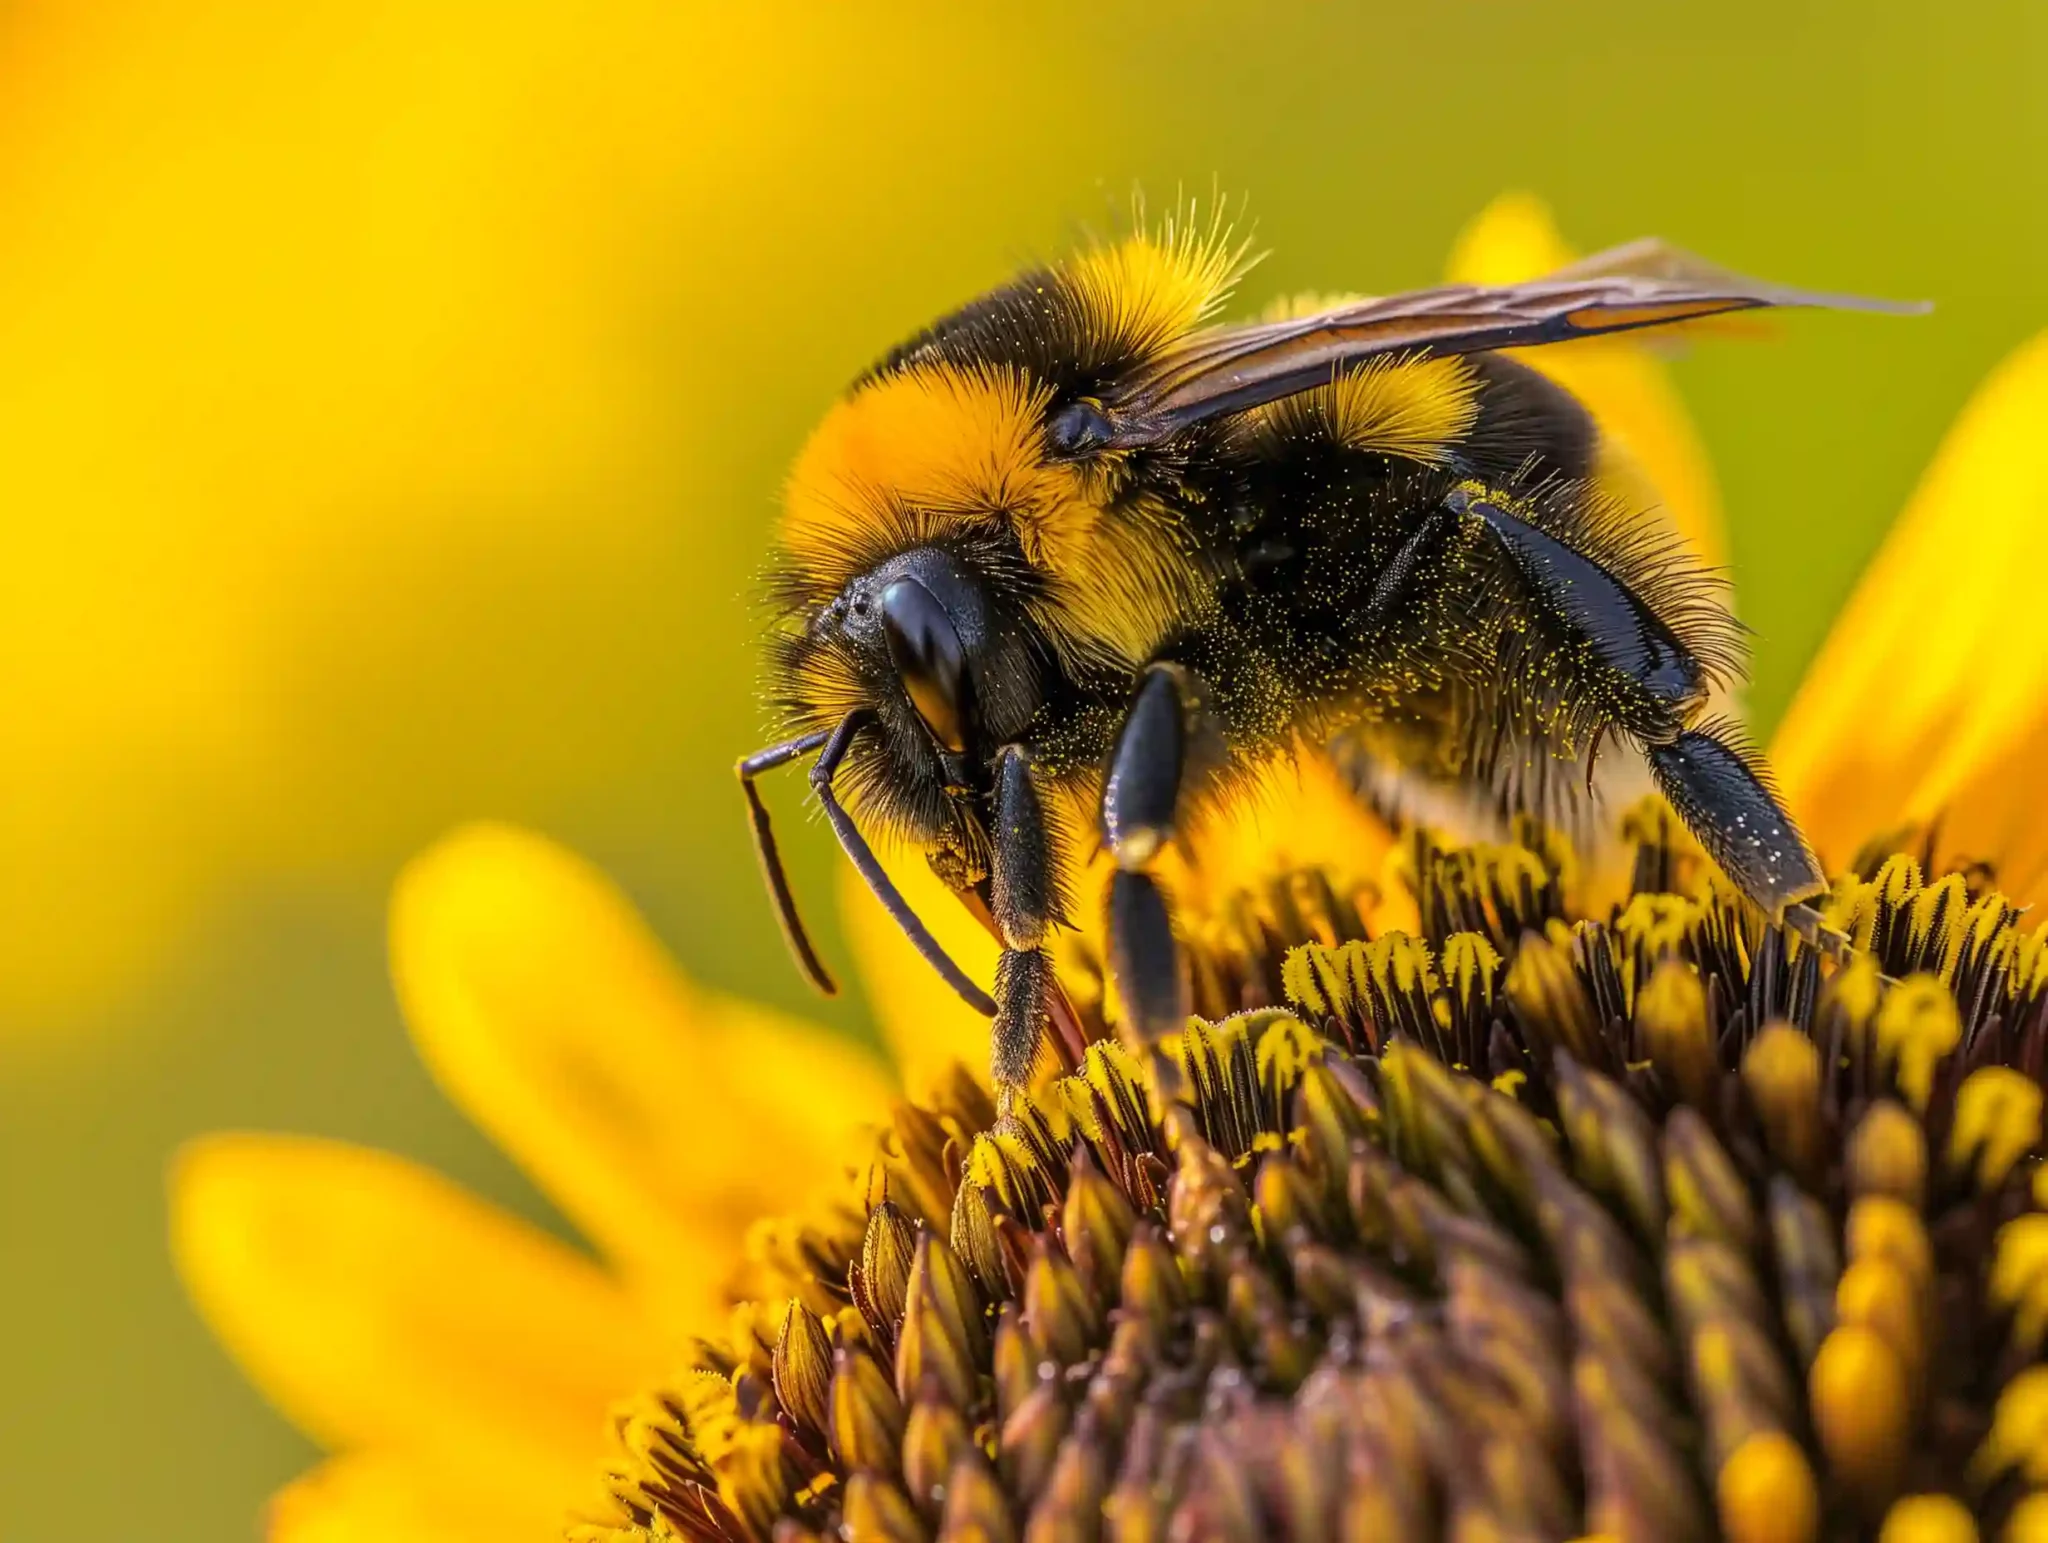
[
  {"x": 1725, "y": 798},
  {"x": 1141, "y": 802},
  {"x": 1715, "y": 785}
]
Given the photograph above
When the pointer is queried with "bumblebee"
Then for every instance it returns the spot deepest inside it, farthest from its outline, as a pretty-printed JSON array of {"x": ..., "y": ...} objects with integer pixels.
[{"x": 1077, "y": 552}]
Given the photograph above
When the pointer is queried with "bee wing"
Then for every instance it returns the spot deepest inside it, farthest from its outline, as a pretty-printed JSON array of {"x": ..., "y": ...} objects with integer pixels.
[{"x": 1642, "y": 284}]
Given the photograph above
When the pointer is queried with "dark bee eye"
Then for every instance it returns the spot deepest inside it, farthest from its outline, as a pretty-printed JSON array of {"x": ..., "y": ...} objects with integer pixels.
[{"x": 928, "y": 657}]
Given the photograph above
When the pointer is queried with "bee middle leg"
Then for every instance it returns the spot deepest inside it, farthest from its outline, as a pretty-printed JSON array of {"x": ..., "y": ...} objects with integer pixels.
[
  {"x": 1024, "y": 903},
  {"x": 1141, "y": 802}
]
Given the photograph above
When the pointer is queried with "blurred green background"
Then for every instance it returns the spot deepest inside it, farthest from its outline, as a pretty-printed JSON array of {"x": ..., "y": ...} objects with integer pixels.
[{"x": 392, "y": 405}]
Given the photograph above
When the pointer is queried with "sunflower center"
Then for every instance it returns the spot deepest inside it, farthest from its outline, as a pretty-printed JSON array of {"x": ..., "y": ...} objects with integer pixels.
[{"x": 1668, "y": 1224}]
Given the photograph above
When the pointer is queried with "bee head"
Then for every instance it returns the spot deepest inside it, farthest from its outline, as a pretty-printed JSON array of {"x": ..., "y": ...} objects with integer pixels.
[
  {"x": 934, "y": 644},
  {"x": 948, "y": 546}
]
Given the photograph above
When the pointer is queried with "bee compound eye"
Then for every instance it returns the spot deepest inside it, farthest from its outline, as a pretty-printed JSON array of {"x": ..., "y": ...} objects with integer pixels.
[{"x": 929, "y": 659}]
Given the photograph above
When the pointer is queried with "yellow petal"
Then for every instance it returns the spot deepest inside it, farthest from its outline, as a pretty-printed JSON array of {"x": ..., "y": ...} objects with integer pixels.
[
  {"x": 1930, "y": 696},
  {"x": 363, "y": 1498},
  {"x": 925, "y": 1025},
  {"x": 1651, "y": 454},
  {"x": 380, "y": 1306},
  {"x": 662, "y": 1119},
  {"x": 1512, "y": 239},
  {"x": 1297, "y": 814}
]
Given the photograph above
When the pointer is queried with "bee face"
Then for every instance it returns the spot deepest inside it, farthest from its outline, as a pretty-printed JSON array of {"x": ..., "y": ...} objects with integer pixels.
[
  {"x": 938, "y": 564},
  {"x": 959, "y": 444},
  {"x": 902, "y": 589},
  {"x": 919, "y": 632}
]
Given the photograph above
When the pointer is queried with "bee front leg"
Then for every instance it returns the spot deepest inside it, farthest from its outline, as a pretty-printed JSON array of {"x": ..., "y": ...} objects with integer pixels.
[
  {"x": 1141, "y": 801},
  {"x": 1024, "y": 901}
]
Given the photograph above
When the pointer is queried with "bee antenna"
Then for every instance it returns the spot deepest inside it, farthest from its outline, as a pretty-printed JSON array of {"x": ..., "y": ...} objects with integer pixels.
[
  {"x": 878, "y": 880},
  {"x": 800, "y": 946}
]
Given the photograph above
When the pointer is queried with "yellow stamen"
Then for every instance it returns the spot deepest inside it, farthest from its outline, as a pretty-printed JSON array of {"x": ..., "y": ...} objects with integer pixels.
[
  {"x": 1928, "y": 1519},
  {"x": 1672, "y": 1013},
  {"x": 1888, "y": 1154},
  {"x": 2019, "y": 1279},
  {"x": 2028, "y": 1522},
  {"x": 1781, "y": 1071},
  {"x": 1876, "y": 1294},
  {"x": 2019, "y": 1432},
  {"x": 1861, "y": 1410},
  {"x": 1766, "y": 1492},
  {"x": 867, "y": 1416},
  {"x": 1881, "y": 1227},
  {"x": 1997, "y": 1121},
  {"x": 1917, "y": 1025}
]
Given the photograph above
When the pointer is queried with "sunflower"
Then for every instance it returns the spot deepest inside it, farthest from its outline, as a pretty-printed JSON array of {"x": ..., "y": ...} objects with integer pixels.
[{"x": 1491, "y": 1203}]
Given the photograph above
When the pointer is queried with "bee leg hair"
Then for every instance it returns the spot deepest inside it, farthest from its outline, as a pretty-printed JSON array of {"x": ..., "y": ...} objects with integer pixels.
[{"x": 1721, "y": 792}]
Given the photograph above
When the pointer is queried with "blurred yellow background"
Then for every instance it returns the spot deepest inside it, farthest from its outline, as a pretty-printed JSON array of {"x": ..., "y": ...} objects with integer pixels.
[{"x": 393, "y": 400}]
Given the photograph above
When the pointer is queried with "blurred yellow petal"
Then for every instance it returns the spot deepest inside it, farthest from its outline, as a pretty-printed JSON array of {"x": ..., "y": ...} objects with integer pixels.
[
  {"x": 380, "y": 309},
  {"x": 1511, "y": 239},
  {"x": 365, "y": 1498},
  {"x": 645, "y": 1107},
  {"x": 925, "y": 1025},
  {"x": 1296, "y": 816},
  {"x": 1651, "y": 453},
  {"x": 1930, "y": 697},
  {"x": 380, "y": 1306}
]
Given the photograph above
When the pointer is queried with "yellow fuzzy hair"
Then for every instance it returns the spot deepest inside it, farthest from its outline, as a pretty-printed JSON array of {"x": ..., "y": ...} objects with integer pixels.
[
  {"x": 1417, "y": 408},
  {"x": 1411, "y": 407},
  {"x": 1150, "y": 290}
]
